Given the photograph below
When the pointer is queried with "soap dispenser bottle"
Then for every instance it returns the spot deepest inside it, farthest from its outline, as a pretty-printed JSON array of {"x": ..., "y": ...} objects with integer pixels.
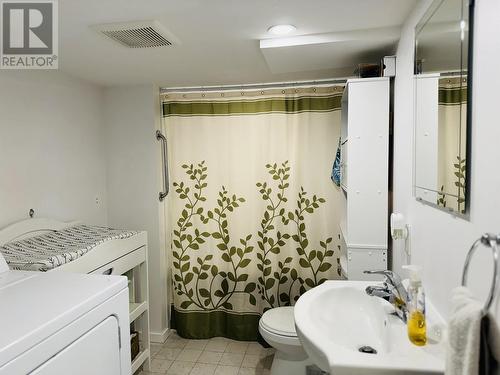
[{"x": 416, "y": 307}]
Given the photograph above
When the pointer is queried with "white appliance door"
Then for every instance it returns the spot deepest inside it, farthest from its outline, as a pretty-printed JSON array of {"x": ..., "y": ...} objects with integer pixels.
[{"x": 96, "y": 352}]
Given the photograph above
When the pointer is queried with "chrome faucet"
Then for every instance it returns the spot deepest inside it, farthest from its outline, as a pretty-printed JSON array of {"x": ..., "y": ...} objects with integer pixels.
[{"x": 391, "y": 290}]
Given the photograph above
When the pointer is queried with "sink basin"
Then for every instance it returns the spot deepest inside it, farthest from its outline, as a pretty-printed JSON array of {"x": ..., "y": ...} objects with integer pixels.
[{"x": 337, "y": 318}]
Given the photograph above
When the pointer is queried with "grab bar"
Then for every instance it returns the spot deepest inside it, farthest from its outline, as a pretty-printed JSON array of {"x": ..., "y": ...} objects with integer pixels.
[
  {"x": 164, "y": 158},
  {"x": 492, "y": 241}
]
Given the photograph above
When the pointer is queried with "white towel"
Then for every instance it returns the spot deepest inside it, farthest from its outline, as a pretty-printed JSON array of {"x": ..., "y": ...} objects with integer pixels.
[{"x": 464, "y": 334}]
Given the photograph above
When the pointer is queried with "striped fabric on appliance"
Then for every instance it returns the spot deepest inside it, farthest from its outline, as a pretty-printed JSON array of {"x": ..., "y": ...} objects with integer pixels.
[{"x": 50, "y": 250}]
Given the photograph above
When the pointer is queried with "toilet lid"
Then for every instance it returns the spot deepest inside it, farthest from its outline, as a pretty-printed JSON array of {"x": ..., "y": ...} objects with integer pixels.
[{"x": 280, "y": 321}]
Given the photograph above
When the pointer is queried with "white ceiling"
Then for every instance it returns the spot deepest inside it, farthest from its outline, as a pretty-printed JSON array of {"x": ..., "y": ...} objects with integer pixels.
[
  {"x": 219, "y": 39},
  {"x": 329, "y": 51}
]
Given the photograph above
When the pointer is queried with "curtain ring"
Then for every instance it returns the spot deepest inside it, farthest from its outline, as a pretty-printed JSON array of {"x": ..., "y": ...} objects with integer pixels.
[
  {"x": 184, "y": 95},
  {"x": 262, "y": 93},
  {"x": 296, "y": 90},
  {"x": 282, "y": 91},
  {"x": 242, "y": 93},
  {"x": 203, "y": 95},
  {"x": 314, "y": 89}
]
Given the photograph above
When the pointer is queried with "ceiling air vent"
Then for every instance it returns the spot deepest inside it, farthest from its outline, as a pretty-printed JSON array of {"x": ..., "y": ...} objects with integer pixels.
[{"x": 147, "y": 34}]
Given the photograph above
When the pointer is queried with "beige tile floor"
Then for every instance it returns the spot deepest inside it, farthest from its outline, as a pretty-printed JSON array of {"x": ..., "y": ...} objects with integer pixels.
[{"x": 217, "y": 356}]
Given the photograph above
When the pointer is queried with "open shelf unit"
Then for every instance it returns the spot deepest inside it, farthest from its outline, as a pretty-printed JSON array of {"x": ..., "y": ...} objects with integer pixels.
[
  {"x": 136, "y": 310},
  {"x": 137, "y": 273},
  {"x": 140, "y": 359}
]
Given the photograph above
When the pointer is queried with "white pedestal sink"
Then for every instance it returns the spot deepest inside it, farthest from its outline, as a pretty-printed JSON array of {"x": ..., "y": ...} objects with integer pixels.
[{"x": 337, "y": 318}]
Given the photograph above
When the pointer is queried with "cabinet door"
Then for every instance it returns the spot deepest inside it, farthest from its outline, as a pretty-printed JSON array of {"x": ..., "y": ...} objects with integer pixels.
[
  {"x": 96, "y": 352},
  {"x": 367, "y": 199}
]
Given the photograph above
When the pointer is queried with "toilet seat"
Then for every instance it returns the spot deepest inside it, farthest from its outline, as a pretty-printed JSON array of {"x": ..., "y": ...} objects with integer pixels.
[{"x": 279, "y": 321}]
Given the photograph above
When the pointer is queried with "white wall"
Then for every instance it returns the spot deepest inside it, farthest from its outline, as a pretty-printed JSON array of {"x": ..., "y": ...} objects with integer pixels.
[
  {"x": 133, "y": 181},
  {"x": 440, "y": 241},
  {"x": 65, "y": 143},
  {"x": 51, "y": 149}
]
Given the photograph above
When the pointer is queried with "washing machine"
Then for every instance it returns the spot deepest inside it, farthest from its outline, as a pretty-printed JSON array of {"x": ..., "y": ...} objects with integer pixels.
[{"x": 62, "y": 323}]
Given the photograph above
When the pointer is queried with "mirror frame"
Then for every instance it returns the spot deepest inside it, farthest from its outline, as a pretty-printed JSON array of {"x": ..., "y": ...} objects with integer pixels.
[{"x": 468, "y": 147}]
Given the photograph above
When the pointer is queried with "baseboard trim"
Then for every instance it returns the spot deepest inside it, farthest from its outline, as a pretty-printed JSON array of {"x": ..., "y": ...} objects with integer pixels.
[{"x": 159, "y": 337}]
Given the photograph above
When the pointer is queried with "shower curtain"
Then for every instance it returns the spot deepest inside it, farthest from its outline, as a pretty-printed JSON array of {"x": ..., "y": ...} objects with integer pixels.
[
  {"x": 253, "y": 215},
  {"x": 452, "y": 134}
]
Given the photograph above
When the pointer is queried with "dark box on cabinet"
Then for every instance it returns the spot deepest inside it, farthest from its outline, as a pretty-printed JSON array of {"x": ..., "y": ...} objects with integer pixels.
[
  {"x": 367, "y": 70},
  {"x": 134, "y": 344}
]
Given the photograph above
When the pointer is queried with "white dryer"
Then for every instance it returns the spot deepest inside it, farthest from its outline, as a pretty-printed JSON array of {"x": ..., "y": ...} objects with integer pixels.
[{"x": 63, "y": 323}]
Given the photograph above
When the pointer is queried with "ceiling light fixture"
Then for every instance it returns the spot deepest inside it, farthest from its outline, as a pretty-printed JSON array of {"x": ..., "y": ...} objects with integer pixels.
[{"x": 281, "y": 29}]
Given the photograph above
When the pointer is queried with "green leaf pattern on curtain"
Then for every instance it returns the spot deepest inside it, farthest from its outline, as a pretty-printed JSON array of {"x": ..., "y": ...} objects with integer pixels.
[
  {"x": 195, "y": 277},
  {"x": 199, "y": 282},
  {"x": 271, "y": 281}
]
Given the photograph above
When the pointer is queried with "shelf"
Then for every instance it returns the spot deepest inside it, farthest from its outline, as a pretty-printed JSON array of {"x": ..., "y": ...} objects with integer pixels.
[
  {"x": 140, "y": 359},
  {"x": 136, "y": 309}
]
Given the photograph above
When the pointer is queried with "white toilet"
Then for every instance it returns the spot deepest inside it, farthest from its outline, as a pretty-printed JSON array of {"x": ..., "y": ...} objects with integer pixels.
[{"x": 277, "y": 327}]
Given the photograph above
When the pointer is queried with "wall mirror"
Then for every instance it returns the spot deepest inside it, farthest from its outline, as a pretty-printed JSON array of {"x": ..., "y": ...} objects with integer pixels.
[{"x": 443, "y": 66}]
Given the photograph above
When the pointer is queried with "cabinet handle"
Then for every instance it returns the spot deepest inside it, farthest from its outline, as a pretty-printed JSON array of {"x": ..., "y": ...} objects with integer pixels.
[{"x": 109, "y": 271}]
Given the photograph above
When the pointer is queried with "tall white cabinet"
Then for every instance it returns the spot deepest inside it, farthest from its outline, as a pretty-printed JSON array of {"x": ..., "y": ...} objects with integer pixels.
[
  {"x": 364, "y": 176},
  {"x": 426, "y": 137}
]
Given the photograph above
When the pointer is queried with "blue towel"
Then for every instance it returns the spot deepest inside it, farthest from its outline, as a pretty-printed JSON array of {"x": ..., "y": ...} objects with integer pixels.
[{"x": 336, "y": 167}]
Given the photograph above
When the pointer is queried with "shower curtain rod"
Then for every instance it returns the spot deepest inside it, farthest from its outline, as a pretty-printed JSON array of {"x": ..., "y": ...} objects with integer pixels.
[{"x": 257, "y": 86}]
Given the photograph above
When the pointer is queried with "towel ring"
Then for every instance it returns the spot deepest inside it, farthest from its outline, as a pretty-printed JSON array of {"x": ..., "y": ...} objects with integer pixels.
[{"x": 491, "y": 241}]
